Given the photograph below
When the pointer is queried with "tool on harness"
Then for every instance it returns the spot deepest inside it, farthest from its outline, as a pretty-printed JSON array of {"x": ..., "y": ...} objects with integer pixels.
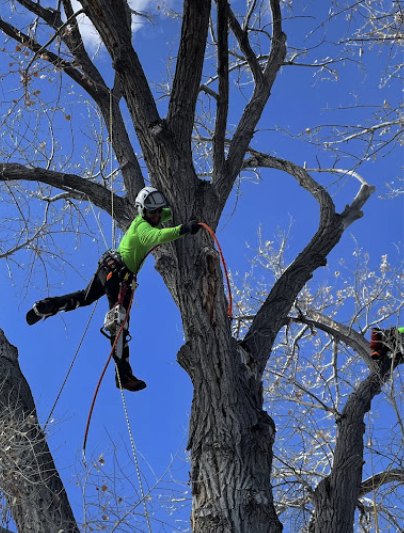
[{"x": 116, "y": 319}]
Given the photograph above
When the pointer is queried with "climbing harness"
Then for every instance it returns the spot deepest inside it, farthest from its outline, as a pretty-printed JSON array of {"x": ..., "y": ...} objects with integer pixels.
[{"x": 117, "y": 318}]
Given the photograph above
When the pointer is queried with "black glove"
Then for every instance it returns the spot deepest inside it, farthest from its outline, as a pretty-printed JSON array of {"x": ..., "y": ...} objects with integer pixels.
[{"x": 191, "y": 227}]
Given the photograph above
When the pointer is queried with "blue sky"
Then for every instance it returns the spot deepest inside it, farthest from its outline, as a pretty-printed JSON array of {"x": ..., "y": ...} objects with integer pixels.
[{"x": 159, "y": 414}]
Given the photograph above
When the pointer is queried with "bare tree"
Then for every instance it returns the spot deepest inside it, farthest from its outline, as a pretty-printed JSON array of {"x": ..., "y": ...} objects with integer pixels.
[
  {"x": 197, "y": 163},
  {"x": 315, "y": 378}
]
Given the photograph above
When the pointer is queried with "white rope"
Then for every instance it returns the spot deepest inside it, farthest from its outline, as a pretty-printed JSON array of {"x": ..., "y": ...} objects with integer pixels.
[
  {"x": 112, "y": 168},
  {"x": 132, "y": 443},
  {"x": 99, "y": 225},
  {"x": 71, "y": 367}
]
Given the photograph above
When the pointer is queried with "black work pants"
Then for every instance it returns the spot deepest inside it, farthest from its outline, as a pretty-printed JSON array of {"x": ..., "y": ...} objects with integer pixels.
[{"x": 106, "y": 281}]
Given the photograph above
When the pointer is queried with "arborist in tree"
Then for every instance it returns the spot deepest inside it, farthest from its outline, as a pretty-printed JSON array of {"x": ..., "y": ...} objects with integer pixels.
[
  {"x": 383, "y": 341},
  {"x": 116, "y": 270}
]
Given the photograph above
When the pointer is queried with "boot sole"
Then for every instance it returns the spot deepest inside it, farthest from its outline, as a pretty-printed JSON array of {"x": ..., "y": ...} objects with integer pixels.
[{"x": 32, "y": 318}]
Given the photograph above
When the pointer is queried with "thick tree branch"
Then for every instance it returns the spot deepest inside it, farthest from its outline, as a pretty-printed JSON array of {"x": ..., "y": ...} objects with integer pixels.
[
  {"x": 335, "y": 497},
  {"x": 88, "y": 78},
  {"x": 242, "y": 38},
  {"x": 275, "y": 309},
  {"x": 113, "y": 23},
  {"x": 223, "y": 96},
  {"x": 188, "y": 72},
  {"x": 96, "y": 193},
  {"x": 253, "y": 110}
]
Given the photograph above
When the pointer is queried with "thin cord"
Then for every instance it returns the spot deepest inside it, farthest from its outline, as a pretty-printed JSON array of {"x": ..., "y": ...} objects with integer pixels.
[
  {"x": 132, "y": 443},
  {"x": 99, "y": 225},
  {"x": 71, "y": 367},
  {"x": 112, "y": 168}
]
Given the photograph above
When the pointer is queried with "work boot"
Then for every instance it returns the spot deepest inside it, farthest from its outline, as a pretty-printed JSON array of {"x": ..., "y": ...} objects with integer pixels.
[
  {"x": 42, "y": 309},
  {"x": 133, "y": 384},
  {"x": 130, "y": 383},
  {"x": 128, "y": 380}
]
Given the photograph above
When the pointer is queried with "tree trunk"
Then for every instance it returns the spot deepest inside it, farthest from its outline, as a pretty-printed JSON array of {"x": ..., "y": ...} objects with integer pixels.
[
  {"x": 28, "y": 477},
  {"x": 336, "y": 497},
  {"x": 231, "y": 437}
]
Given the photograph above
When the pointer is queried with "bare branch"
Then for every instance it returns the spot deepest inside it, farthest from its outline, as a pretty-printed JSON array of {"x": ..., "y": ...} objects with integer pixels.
[
  {"x": 343, "y": 333},
  {"x": 273, "y": 312},
  {"x": 98, "y": 195},
  {"x": 188, "y": 72},
  {"x": 89, "y": 78},
  {"x": 254, "y": 108},
  {"x": 372, "y": 484},
  {"x": 223, "y": 95}
]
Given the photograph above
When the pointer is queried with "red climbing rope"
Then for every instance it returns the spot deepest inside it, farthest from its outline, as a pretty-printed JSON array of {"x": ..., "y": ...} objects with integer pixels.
[
  {"x": 210, "y": 230},
  {"x": 90, "y": 414},
  {"x": 229, "y": 313}
]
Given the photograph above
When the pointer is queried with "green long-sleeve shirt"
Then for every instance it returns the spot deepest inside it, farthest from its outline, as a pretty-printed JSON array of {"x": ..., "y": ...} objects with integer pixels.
[{"x": 142, "y": 236}]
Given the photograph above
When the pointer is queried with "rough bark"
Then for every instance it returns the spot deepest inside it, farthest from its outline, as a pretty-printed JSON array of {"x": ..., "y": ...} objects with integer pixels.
[
  {"x": 28, "y": 477},
  {"x": 230, "y": 436},
  {"x": 336, "y": 497}
]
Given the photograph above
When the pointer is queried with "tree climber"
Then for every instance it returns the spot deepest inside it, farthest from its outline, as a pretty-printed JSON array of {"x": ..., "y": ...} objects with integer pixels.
[
  {"x": 118, "y": 267},
  {"x": 383, "y": 341}
]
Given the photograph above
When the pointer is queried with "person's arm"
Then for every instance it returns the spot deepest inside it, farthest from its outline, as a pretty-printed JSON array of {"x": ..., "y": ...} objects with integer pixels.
[{"x": 150, "y": 236}]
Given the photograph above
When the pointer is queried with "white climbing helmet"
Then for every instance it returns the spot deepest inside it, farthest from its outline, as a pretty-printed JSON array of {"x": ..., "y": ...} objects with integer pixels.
[{"x": 151, "y": 199}]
